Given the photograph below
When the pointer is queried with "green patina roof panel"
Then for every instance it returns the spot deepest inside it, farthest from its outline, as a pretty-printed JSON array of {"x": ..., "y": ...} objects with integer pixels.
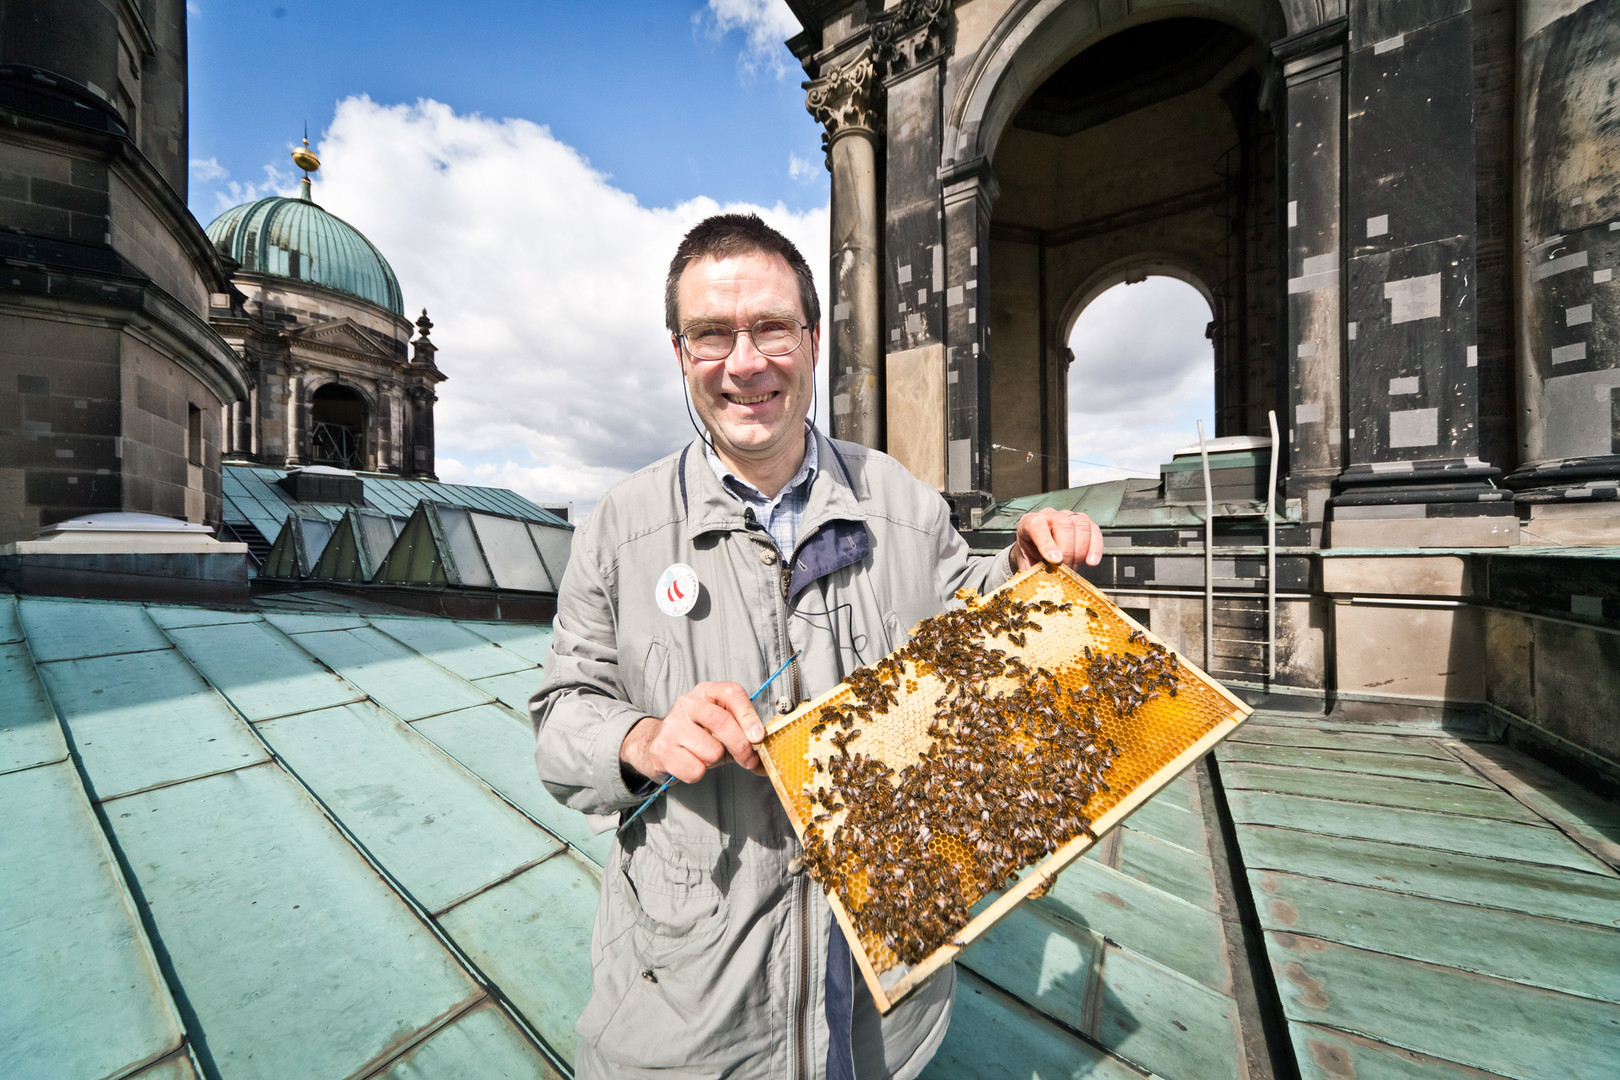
[
  {"x": 528, "y": 641},
  {"x": 995, "y": 1036},
  {"x": 440, "y": 832},
  {"x": 391, "y": 673},
  {"x": 29, "y": 733},
  {"x": 297, "y": 958},
  {"x": 68, "y": 629},
  {"x": 83, "y": 996},
  {"x": 10, "y": 628},
  {"x": 533, "y": 936},
  {"x": 498, "y": 747},
  {"x": 484, "y": 1044},
  {"x": 260, "y": 670},
  {"x": 513, "y": 689},
  {"x": 455, "y": 648},
  {"x": 141, "y": 719}
]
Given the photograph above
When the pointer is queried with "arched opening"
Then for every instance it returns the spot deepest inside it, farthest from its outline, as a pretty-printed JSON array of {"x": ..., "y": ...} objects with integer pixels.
[
  {"x": 1149, "y": 152},
  {"x": 1140, "y": 379},
  {"x": 337, "y": 427}
]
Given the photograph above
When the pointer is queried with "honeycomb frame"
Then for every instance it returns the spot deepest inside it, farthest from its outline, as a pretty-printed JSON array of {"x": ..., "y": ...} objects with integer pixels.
[{"x": 1178, "y": 741}]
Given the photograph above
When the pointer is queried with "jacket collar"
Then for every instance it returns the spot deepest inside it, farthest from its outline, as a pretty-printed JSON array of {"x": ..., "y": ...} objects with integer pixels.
[{"x": 709, "y": 507}]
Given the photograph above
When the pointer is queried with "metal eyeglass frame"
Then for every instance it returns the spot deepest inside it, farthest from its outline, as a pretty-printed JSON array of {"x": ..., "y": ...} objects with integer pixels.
[{"x": 804, "y": 328}]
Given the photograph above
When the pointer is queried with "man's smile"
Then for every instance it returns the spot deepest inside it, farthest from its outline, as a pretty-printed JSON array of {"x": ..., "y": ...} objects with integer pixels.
[{"x": 755, "y": 399}]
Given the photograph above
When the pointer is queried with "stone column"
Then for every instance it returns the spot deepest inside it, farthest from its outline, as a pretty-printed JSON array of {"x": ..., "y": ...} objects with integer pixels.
[
  {"x": 387, "y": 425},
  {"x": 1569, "y": 242},
  {"x": 969, "y": 190},
  {"x": 297, "y": 428},
  {"x": 421, "y": 428},
  {"x": 1313, "y": 74},
  {"x": 1413, "y": 476},
  {"x": 843, "y": 100}
]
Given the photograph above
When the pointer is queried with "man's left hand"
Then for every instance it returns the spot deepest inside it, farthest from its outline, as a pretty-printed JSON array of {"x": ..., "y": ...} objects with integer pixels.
[{"x": 1056, "y": 536}]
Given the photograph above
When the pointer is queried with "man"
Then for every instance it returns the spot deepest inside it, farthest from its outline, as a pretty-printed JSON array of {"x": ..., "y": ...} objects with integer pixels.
[{"x": 713, "y": 953}]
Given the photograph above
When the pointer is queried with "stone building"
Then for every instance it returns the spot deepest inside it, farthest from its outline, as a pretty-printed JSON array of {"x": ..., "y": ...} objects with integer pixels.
[
  {"x": 318, "y": 319},
  {"x": 112, "y": 382},
  {"x": 1406, "y": 219},
  {"x": 138, "y": 352}
]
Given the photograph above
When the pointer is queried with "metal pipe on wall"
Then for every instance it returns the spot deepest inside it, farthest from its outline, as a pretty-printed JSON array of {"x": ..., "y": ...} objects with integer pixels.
[
  {"x": 1271, "y": 554},
  {"x": 1209, "y": 556}
]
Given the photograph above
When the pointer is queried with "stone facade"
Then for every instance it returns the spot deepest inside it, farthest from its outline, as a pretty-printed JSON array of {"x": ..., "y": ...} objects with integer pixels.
[
  {"x": 112, "y": 383},
  {"x": 303, "y": 344},
  {"x": 1336, "y": 178},
  {"x": 1406, "y": 219}
]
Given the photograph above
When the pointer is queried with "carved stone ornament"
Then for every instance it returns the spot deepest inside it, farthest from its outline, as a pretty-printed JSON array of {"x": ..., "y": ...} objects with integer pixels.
[
  {"x": 844, "y": 99},
  {"x": 909, "y": 34}
]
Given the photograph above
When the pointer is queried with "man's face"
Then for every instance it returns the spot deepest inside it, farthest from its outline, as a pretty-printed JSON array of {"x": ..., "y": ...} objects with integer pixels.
[{"x": 753, "y": 405}]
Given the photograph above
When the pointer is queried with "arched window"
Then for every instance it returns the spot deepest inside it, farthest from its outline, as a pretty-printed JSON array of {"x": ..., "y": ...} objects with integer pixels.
[
  {"x": 1142, "y": 376},
  {"x": 337, "y": 431}
]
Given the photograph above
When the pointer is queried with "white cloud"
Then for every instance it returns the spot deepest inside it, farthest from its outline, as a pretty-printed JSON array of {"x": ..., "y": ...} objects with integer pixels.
[
  {"x": 277, "y": 181},
  {"x": 207, "y": 170},
  {"x": 545, "y": 284},
  {"x": 1142, "y": 377},
  {"x": 804, "y": 170},
  {"x": 766, "y": 24}
]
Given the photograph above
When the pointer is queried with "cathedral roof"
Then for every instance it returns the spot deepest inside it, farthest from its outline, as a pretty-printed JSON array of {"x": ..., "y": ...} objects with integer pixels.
[{"x": 295, "y": 238}]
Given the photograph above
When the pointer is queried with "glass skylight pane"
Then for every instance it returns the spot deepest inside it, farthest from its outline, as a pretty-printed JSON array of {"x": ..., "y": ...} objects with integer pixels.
[
  {"x": 458, "y": 533},
  {"x": 554, "y": 544},
  {"x": 511, "y": 555}
]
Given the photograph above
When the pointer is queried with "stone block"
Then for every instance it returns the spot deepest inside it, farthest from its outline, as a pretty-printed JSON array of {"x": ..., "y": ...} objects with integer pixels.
[
  {"x": 1397, "y": 575},
  {"x": 1404, "y": 651},
  {"x": 1510, "y": 662},
  {"x": 1435, "y": 532},
  {"x": 1577, "y": 685},
  {"x": 1573, "y": 524},
  {"x": 916, "y": 411}
]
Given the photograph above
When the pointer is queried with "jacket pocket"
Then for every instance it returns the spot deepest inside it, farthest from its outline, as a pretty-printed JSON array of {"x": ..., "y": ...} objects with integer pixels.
[
  {"x": 662, "y": 979},
  {"x": 663, "y": 678}
]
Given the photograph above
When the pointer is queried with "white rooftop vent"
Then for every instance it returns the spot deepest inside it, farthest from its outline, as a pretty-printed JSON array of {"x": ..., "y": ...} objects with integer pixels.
[
  {"x": 1228, "y": 443},
  {"x": 122, "y": 532}
]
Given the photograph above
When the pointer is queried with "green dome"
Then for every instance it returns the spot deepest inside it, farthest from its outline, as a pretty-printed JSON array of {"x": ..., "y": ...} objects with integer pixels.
[{"x": 296, "y": 239}]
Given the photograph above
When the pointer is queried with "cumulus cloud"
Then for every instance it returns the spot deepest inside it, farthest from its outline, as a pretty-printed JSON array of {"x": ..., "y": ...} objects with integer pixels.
[
  {"x": 545, "y": 284},
  {"x": 1143, "y": 376},
  {"x": 207, "y": 170},
  {"x": 765, "y": 24},
  {"x": 804, "y": 170}
]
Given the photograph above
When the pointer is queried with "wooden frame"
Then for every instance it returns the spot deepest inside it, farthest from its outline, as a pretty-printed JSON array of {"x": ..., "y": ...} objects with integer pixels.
[{"x": 903, "y": 979}]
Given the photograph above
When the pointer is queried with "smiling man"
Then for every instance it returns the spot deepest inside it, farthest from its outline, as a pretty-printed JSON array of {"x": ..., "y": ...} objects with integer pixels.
[{"x": 762, "y": 543}]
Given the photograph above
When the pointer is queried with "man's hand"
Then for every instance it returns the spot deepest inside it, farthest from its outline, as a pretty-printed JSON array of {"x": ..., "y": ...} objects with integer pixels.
[
  {"x": 714, "y": 722},
  {"x": 1056, "y": 536}
]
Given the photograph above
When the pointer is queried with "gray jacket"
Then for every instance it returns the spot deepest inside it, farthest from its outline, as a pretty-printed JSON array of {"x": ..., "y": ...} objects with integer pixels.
[{"x": 709, "y": 952}]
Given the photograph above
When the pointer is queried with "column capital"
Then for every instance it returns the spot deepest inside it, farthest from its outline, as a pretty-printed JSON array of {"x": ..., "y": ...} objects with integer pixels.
[
  {"x": 845, "y": 99},
  {"x": 911, "y": 33}
]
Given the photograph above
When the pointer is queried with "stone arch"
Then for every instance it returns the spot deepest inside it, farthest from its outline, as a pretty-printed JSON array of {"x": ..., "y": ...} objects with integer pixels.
[
  {"x": 1036, "y": 37},
  {"x": 342, "y": 424},
  {"x": 1153, "y": 153},
  {"x": 1134, "y": 268}
]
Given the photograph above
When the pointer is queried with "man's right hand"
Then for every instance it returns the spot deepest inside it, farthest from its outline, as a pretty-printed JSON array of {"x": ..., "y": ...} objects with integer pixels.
[{"x": 713, "y": 722}]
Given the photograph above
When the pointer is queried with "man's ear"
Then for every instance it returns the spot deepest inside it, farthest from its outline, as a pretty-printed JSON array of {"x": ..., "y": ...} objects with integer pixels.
[
  {"x": 680, "y": 358},
  {"x": 815, "y": 345}
]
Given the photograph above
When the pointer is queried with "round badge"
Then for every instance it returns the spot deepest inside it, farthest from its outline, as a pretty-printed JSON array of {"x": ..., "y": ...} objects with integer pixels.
[{"x": 677, "y": 590}]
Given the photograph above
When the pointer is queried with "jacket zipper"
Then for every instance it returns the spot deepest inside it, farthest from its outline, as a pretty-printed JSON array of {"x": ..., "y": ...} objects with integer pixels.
[
  {"x": 799, "y": 1019},
  {"x": 804, "y": 974}
]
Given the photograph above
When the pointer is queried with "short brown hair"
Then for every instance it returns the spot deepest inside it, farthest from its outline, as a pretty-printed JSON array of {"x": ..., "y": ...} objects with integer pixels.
[{"x": 725, "y": 235}]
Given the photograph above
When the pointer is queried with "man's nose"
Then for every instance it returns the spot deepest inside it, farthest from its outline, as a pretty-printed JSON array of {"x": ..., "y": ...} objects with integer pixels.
[{"x": 745, "y": 360}]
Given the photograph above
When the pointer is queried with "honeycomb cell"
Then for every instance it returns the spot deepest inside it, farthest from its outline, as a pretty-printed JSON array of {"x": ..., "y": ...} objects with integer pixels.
[{"x": 911, "y": 894}]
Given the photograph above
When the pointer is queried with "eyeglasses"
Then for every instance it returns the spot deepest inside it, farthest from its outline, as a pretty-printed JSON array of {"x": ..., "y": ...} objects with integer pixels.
[{"x": 771, "y": 337}]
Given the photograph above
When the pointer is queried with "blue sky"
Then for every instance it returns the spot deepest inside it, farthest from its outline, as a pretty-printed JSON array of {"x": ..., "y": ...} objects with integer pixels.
[
  {"x": 670, "y": 98},
  {"x": 527, "y": 169}
]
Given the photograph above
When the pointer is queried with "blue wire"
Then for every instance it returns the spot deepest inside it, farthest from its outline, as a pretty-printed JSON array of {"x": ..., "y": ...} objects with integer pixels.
[{"x": 665, "y": 785}]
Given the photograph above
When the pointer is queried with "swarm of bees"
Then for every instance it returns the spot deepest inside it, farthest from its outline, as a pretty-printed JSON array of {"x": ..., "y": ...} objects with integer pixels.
[{"x": 1015, "y": 756}]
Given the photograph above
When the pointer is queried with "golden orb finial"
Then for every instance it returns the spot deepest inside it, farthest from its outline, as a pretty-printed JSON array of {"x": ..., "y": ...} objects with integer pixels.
[{"x": 305, "y": 158}]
